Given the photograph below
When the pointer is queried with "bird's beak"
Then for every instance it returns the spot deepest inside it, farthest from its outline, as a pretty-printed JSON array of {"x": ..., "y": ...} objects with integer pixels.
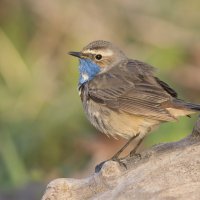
[{"x": 76, "y": 54}]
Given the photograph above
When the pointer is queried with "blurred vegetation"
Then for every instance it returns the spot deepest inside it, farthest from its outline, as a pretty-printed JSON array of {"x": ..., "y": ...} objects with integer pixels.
[{"x": 41, "y": 117}]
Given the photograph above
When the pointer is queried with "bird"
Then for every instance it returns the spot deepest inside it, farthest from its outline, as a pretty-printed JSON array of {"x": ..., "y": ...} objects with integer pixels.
[{"x": 123, "y": 97}]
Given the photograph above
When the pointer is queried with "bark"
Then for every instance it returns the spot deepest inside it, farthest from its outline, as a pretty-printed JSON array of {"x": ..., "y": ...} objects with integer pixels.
[{"x": 166, "y": 171}]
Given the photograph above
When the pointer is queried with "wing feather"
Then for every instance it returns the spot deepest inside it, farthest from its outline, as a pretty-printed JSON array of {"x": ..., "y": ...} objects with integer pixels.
[{"x": 132, "y": 88}]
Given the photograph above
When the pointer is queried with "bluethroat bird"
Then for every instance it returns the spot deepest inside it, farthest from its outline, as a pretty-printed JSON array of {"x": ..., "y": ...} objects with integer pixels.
[{"x": 122, "y": 96}]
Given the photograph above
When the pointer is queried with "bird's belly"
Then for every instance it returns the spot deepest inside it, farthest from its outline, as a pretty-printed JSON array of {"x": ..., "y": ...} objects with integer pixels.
[{"x": 116, "y": 123}]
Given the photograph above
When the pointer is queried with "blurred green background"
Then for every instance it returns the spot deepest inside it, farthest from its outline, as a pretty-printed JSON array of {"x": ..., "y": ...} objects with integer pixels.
[{"x": 43, "y": 131}]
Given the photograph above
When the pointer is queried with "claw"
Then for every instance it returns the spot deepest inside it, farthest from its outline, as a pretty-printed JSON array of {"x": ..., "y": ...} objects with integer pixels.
[
  {"x": 132, "y": 153},
  {"x": 119, "y": 161}
]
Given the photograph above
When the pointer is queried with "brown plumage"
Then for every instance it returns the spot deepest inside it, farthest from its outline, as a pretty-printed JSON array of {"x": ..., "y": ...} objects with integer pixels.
[{"x": 125, "y": 98}]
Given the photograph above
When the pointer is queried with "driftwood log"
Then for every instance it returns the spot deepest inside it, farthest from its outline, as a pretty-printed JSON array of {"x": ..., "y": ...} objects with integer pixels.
[{"x": 166, "y": 171}]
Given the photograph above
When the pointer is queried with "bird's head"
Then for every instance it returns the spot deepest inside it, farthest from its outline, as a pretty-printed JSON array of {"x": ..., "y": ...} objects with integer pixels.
[{"x": 97, "y": 57}]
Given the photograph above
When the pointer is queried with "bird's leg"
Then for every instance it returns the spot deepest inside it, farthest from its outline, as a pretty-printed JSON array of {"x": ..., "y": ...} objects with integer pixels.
[
  {"x": 116, "y": 156},
  {"x": 133, "y": 152}
]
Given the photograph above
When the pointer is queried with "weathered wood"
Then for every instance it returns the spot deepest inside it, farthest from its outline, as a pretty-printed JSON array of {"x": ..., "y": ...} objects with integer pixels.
[{"x": 166, "y": 171}]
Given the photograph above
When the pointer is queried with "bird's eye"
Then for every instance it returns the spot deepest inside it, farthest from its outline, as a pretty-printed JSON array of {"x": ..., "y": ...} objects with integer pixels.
[{"x": 98, "y": 56}]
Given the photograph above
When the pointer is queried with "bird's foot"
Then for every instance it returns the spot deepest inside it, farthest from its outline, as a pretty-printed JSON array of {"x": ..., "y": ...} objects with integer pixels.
[
  {"x": 114, "y": 158},
  {"x": 134, "y": 154},
  {"x": 121, "y": 163}
]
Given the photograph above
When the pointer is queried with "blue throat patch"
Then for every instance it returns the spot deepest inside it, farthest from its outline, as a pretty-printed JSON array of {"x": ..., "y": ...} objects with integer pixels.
[{"x": 88, "y": 70}]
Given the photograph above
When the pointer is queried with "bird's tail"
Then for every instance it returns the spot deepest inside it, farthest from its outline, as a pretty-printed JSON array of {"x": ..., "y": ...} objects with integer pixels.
[
  {"x": 187, "y": 105},
  {"x": 181, "y": 108}
]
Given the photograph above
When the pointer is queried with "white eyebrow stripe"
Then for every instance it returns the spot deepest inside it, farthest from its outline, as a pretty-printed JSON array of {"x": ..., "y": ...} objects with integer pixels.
[{"x": 105, "y": 52}]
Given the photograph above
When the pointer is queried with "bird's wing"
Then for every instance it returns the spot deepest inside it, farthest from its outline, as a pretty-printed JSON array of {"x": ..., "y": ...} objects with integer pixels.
[
  {"x": 132, "y": 88},
  {"x": 167, "y": 88}
]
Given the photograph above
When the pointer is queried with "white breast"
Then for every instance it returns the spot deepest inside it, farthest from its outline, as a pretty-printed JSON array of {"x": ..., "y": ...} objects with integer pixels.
[{"x": 85, "y": 76}]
